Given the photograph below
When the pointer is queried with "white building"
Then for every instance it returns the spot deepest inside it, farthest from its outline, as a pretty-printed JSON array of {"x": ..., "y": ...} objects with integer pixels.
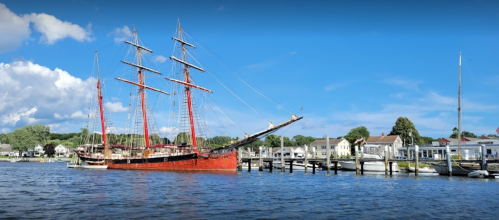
[
  {"x": 38, "y": 151},
  {"x": 393, "y": 143},
  {"x": 6, "y": 150},
  {"x": 61, "y": 151},
  {"x": 288, "y": 152},
  {"x": 339, "y": 146}
]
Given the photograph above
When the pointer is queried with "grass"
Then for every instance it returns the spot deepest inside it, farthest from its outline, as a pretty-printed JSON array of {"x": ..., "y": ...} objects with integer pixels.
[{"x": 421, "y": 165}]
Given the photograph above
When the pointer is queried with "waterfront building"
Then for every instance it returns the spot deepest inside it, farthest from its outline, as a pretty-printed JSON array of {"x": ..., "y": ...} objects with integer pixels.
[
  {"x": 6, "y": 150},
  {"x": 38, "y": 151},
  {"x": 393, "y": 143},
  {"x": 340, "y": 146},
  {"x": 288, "y": 152},
  {"x": 61, "y": 151}
]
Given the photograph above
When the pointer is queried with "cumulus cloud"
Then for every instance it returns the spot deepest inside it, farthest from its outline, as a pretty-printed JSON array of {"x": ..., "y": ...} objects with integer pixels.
[
  {"x": 115, "y": 107},
  {"x": 15, "y": 29},
  {"x": 160, "y": 59},
  {"x": 121, "y": 34},
  {"x": 53, "y": 29},
  {"x": 31, "y": 93}
]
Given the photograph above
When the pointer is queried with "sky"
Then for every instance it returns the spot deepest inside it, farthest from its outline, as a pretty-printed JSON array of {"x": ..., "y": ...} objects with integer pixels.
[{"x": 339, "y": 64}]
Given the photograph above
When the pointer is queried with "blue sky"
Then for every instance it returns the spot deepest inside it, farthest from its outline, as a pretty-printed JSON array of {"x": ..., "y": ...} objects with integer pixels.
[{"x": 347, "y": 63}]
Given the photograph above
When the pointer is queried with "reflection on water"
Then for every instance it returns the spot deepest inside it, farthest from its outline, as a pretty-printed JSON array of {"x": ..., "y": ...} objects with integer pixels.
[{"x": 50, "y": 190}]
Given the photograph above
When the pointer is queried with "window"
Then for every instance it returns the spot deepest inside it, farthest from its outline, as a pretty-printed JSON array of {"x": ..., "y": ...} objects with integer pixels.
[
  {"x": 323, "y": 153},
  {"x": 323, "y": 147}
]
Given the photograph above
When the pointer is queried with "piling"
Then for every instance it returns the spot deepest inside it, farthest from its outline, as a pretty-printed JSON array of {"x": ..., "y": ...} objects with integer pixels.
[
  {"x": 328, "y": 157},
  {"x": 313, "y": 167},
  {"x": 416, "y": 165},
  {"x": 283, "y": 164},
  {"x": 249, "y": 164},
  {"x": 335, "y": 167},
  {"x": 386, "y": 159},
  {"x": 239, "y": 159},
  {"x": 391, "y": 164},
  {"x": 306, "y": 158},
  {"x": 291, "y": 166},
  {"x": 449, "y": 164},
  {"x": 484, "y": 162},
  {"x": 260, "y": 161},
  {"x": 357, "y": 170},
  {"x": 270, "y": 166},
  {"x": 362, "y": 167}
]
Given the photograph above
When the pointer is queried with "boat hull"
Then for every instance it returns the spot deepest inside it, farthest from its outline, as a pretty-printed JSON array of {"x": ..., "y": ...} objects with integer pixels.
[
  {"x": 296, "y": 166},
  {"x": 423, "y": 170},
  {"x": 368, "y": 166},
  {"x": 191, "y": 162},
  {"x": 456, "y": 170},
  {"x": 93, "y": 166}
]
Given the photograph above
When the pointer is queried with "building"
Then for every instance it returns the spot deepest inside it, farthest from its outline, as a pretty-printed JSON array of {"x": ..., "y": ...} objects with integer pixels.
[
  {"x": 341, "y": 147},
  {"x": 61, "y": 151},
  {"x": 392, "y": 142},
  {"x": 288, "y": 152},
  {"x": 6, "y": 150},
  {"x": 38, "y": 151}
]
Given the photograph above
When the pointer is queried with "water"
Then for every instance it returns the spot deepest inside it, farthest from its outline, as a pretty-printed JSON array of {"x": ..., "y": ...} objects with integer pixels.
[{"x": 52, "y": 191}]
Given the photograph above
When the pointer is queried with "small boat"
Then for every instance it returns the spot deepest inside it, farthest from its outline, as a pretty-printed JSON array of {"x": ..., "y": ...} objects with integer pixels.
[
  {"x": 478, "y": 174},
  {"x": 423, "y": 170},
  {"x": 375, "y": 166},
  {"x": 13, "y": 160},
  {"x": 94, "y": 165},
  {"x": 462, "y": 169}
]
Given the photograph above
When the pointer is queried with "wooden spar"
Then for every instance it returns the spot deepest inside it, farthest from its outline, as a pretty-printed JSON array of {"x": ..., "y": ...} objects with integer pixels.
[
  {"x": 99, "y": 95},
  {"x": 189, "y": 84},
  {"x": 459, "y": 111},
  {"x": 141, "y": 83}
]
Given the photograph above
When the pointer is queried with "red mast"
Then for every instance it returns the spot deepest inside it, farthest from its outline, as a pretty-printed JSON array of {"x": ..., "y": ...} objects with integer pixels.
[
  {"x": 141, "y": 83},
  {"x": 99, "y": 95},
  {"x": 187, "y": 82}
]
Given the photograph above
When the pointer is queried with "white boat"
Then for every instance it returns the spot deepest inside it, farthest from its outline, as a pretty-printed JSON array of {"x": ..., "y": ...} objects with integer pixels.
[
  {"x": 374, "y": 166},
  {"x": 423, "y": 170},
  {"x": 297, "y": 165},
  {"x": 13, "y": 160},
  {"x": 93, "y": 166},
  {"x": 478, "y": 174},
  {"x": 462, "y": 169}
]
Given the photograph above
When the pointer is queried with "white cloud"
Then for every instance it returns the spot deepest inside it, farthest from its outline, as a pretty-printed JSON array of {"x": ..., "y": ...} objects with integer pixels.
[
  {"x": 115, "y": 107},
  {"x": 121, "y": 34},
  {"x": 15, "y": 29},
  {"x": 31, "y": 93},
  {"x": 53, "y": 29},
  {"x": 160, "y": 59}
]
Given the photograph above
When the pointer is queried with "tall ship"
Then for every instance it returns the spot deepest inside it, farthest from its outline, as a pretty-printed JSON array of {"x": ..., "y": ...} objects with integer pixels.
[{"x": 189, "y": 151}]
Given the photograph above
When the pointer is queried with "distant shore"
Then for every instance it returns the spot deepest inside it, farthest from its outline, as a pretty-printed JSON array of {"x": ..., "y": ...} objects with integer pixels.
[{"x": 35, "y": 159}]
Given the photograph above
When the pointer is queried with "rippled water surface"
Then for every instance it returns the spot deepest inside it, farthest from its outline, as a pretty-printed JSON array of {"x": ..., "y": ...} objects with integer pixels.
[{"x": 52, "y": 191}]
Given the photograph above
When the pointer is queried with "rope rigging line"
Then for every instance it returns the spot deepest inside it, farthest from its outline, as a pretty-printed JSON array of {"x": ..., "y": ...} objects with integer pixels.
[{"x": 226, "y": 68}]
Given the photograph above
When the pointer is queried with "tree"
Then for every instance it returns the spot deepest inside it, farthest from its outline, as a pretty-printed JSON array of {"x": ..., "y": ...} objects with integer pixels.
[
  {"x": 3, "y": 139},
  {"x": 40, "y": 132},
  {"x": 272, "y": 141},
  {"x": 182, "y": 138},
  {"x": 22, "y": 140},
  {"x": 492, "y": 135},
  {"x": 356, "y": 133},
  {"x": 301, "y": 140},
  {"x": 463, "y": 134},
  {"x": 154, "y": 139},
  {"x": 49, "y": 150},
  {"x": 219, "y": 141},
  {"x": 403, "y": 127},
  {"x": 426, "y": 140}
]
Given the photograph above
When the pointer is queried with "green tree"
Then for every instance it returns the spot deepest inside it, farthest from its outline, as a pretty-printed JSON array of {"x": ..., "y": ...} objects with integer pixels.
[
  {"x": 49, "y": 149},
  {"x": 356, "y": 133},
  {"x": 3, "y": 139},
  {"x": 463, "y": 134},
  {"x": 301, "y": 140},
  {"x": 426, "y": 140},
  {"x": 272, "y": 141},
  {"x": 183, "y": 138},
  {"x": 492, "y": 135},
  {"x": 403, "y": 127},
  {"x": 22, "y": 140},
  {"x": 219, "y": 141},
  {"x": 40, "y": 132},
  {"x": 154, "y": 139}
]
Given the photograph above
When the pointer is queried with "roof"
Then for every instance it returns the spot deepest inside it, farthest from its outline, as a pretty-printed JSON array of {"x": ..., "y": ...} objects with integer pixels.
[
  {"x": 382, "y": 139},
  {"x": 5, "y": 147},
  {"x": 323, "y": 141}
]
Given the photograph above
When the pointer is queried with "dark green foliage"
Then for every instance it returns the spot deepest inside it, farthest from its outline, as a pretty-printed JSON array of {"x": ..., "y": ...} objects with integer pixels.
[
  {"x": 49, "y": 150},
  {"x": 403, "y": 126},
  {"x": 301, "y": 140},
  {"x": 463, "y": 134}
]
